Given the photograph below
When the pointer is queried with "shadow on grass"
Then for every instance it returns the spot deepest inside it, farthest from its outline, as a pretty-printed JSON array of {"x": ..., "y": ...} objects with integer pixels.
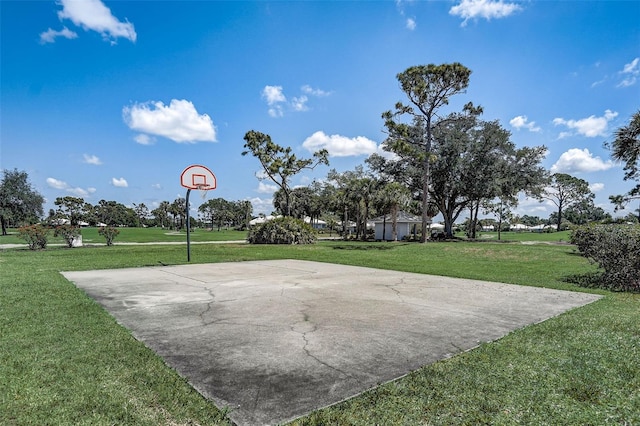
[
  {"x": 368, "y": 247},
  {"x": 587, "y": 279}
]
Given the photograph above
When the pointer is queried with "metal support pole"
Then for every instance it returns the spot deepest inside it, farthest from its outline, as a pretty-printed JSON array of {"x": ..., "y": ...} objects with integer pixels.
[{"x": 188, "y": 228}]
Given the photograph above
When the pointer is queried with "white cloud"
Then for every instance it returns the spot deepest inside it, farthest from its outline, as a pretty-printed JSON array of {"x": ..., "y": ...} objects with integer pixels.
[
  {"x": 411, "y": 24},
  {"x": 340, "y": 146},
  {"x": 300, "y": 104},
  {"x": 261, "y": 205},
  {"x": 596, "y": 187},
  {"x": 156, "y": 186},
  {"x": 62, "y": 185},
  {"x": 276, "y": 111},
  {"x": 315, "y": 92},
  {"x": 57, "y": 184},
  {"x": 277, "y": 101},
  {"x": 275, "y": 98},
  {"x": 178, "y": 121},
  {"x": 273, "y": 95},
  {"x": 91, "y": 159},
  {"x": 630, "y": 72},
  {"x": 93, "y": 15},
  {"x": 120, "y": 183},
  {"x": 590, "y": 127},
  {"x": 578, "y": 160},
  {"x": 487, "y": 9},
  {"x": 50, "y": 35},
  {"x": 265, "y": 188},
  {"x": 522, "y": 122},
  {"x": 143, "y": 139}
]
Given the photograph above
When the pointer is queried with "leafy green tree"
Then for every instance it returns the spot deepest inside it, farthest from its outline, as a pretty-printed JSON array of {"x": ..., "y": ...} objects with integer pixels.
[
  {"x": 178, "y": 210},
  {"x": 142, "y": 213},
  {"x": 161, "y": 214},
  {"x": 428, "y": 88},
  {"x": 113, "y": 213},
  {"x": 72, "y": 208},
  {"x": 20, "y": 203},
  {"x": 497, "y": 171},
  {"x": 217, "y": 211},
  {"x": 582, "y": 213},
  {"x": 280, "y": 163},
  {"x": 354, "y": 194},
  {"x": 242, "y": 211},
  {"x": 565, "y": 191},
  {"x": 626, "y": 149},
  {"x": 391, "y": 198}
]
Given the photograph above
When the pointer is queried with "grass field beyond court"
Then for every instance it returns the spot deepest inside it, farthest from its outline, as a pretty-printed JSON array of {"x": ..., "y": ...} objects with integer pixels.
[{"x": 64, "y": 360}]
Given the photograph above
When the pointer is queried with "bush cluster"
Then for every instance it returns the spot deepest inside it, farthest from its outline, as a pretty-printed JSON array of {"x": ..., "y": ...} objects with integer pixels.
[
  {"x": 615, "y": 249},
  {"x": 68, "y": 233},
  {"x": 109, "y": 233},
  {"x": 282, "y": 230},
  {"x": 36, "y": 236}
]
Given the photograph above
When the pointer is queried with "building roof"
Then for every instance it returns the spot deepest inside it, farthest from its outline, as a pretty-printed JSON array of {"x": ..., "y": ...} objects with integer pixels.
[{"x": 403, "y": 217}]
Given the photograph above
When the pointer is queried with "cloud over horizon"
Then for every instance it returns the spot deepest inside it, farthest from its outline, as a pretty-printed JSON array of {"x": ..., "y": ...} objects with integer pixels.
[
  {"x": 577, "y": 160},
  {"x": 630, "y": 73},
  {"x": 487, "y": 9},
  {"x": 590, "y": 127},
  {"x": 522, "y": 122},
  {"x": 64, "y": 186},
  {"x": 340, "y": 146},
  {"x": 90, "y": 15},
  {"x": 178, "y": 121},
  {"x": 119, "y": 183},
  {"x": 91, "y": 159},
  {"x": 277, "y": 101}
]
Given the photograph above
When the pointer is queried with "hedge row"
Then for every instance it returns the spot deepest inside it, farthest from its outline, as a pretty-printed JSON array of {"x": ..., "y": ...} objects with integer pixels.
[{"x": 615, "y": 249}]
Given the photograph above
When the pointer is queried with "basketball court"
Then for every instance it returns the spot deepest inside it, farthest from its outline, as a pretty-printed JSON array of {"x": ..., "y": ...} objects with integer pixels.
[{"x": 274, "y": 340}]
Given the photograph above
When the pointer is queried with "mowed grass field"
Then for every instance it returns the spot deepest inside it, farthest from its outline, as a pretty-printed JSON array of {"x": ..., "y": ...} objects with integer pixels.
[
  {"x": 90, "y": 236},
  {"x": 64, "y": 360}
]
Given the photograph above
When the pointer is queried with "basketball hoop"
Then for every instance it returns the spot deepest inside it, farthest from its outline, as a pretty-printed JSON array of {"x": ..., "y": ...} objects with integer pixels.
[
  {"x": 200, "y": 178},
  {"x": 204, "y": 188}
]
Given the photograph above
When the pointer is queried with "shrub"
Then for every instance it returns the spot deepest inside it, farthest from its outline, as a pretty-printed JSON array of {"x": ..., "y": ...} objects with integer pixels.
[
  {"x": 68, "y": 232},
  {"x": 35, "y": 235},
  {"x": 282, "y": 230},
  {"x": 109, "y": 233},
  {"x": 615, "y": 249}
]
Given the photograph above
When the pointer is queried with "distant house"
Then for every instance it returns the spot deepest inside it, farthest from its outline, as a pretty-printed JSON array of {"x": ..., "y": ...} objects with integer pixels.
[
  {"x": 316, "y": 224},
  {"x": 406, "y": 226},
  {"x": 518, "y": 227},
  {"x": 539, "y": 228},
  {"x": 261, "y": 219}
]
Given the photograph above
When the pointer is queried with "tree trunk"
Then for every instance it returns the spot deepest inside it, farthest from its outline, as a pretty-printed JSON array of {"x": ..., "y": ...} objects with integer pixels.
[
  {"x": 384, "y": 227},
  {"x": 425, "y": 182},
  {"x": 394, "y": 223},
  {"x": 559, "y": 217},
  {"x": 4, "y": 225},
  {"x": 344, "y": 223},
  {"x": 425, "y": 197},
  {"x": 474, "y": 219}
]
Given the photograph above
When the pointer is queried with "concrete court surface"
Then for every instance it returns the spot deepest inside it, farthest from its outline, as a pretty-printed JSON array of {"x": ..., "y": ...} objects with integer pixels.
[{"x": 274, "y": 340}]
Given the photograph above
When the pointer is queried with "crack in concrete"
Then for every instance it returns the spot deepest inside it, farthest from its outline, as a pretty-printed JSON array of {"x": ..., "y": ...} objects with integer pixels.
[
  {"x": 209, "y": 303},
  {"x": 306, "y": 318},
  {"x": 318, "y": 360},
  {"x": 393, "y": 288}
]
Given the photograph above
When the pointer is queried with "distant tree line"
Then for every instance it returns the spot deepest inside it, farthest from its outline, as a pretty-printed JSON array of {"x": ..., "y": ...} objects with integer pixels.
[{"x": 437, "y": 163}]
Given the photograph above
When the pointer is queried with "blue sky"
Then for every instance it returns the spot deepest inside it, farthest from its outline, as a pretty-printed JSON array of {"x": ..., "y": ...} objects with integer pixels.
[{"x": 112, "y": 100}]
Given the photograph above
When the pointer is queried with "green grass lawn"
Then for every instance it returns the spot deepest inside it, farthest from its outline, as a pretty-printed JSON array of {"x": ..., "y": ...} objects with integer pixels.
[
  {"x": 90, "y": 236},
  {"x": 64, "y": 359}
]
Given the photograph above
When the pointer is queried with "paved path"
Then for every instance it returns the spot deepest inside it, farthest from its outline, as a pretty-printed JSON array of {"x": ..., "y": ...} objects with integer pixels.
[{"x": 274, "y": 340}]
